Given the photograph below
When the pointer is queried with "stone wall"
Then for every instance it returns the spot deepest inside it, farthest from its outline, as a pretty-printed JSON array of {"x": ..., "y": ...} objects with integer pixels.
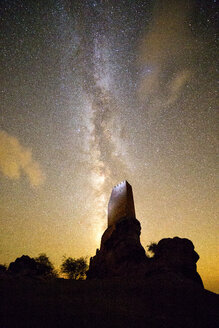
[{"x": 121, "y": 203}]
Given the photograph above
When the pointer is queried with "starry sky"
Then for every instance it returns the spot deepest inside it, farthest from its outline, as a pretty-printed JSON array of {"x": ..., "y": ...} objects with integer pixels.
[{"x": 97, "y": 92}]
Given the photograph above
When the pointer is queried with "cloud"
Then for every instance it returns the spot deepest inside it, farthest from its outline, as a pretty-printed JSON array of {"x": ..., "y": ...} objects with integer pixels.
[
  {"x": 168, "y": 33},
  {"x": 177, "y": 84},
  {"x": 16, "y": 159},
  {"x": 166, "y": 51}
]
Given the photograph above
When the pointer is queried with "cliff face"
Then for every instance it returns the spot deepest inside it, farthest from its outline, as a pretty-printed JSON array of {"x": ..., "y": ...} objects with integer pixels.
[{"x": 122, "y": 255}]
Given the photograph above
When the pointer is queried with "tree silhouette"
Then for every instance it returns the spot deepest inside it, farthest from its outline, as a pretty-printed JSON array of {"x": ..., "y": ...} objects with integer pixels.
[
  {"x": 23, "y": 265},
  {"x": 27, "y": 266},
  {"x": 3, "y": 268},
  {"x": 152, "y": 247},
  {"x": 44, "y": 267},
  {"x": 74, "y": 268}
]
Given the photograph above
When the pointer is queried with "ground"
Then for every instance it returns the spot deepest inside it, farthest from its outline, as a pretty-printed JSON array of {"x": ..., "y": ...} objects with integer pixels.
[{"x": 162, "y": 301}]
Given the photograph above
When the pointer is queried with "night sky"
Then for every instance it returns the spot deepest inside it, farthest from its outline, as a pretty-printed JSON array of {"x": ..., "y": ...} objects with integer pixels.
[{"x": 97, "y": 92}]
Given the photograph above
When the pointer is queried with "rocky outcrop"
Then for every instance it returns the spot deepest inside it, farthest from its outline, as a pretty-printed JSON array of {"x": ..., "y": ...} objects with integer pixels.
[
  {"x": 175, "y": 255},
  {"x": 121, "y": 253}
]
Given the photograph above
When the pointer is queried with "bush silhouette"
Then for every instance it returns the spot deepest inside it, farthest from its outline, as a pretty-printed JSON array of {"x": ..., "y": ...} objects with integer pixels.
[
  {"x": 23, "y": 265},
  {"x": 74, "y": 268},
  {"x": 44, "y": 267},
  {"x": 152, "y": 248},
  {"x": 3, "y": 268},
  {"x": 27, "y": 266}
]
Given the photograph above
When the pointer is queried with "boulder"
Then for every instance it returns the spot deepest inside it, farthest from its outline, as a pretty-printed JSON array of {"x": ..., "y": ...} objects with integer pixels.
[{"x": 176, "y": 255}]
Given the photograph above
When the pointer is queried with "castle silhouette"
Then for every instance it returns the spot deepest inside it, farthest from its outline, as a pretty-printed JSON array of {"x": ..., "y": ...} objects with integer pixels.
[{"x": 122, "y": 255}]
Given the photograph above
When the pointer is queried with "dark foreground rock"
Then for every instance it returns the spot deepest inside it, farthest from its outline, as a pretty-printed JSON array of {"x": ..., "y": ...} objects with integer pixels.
[
  {"x": 23, "y": 265},
  {"x": 160, "y": 301},
  {"x": 176, "y": 255},
  {"x": 122, "y": 255}
]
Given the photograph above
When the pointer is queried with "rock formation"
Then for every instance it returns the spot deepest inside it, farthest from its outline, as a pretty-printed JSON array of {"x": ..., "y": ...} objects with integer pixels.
[
  {"x": 175, "y": 255},
  {"x": 122, "y": 255}
]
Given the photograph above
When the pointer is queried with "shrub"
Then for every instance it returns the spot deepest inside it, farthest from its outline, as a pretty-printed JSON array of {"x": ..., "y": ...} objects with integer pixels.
[{"x": 74, "y": 268}]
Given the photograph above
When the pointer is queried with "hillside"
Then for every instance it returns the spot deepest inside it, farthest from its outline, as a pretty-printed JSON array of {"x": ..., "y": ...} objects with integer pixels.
[{"x": 162, "y": 300}]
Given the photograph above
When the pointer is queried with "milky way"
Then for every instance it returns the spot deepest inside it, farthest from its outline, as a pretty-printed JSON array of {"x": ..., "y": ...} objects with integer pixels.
[{"x": 96, "y": 92}]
